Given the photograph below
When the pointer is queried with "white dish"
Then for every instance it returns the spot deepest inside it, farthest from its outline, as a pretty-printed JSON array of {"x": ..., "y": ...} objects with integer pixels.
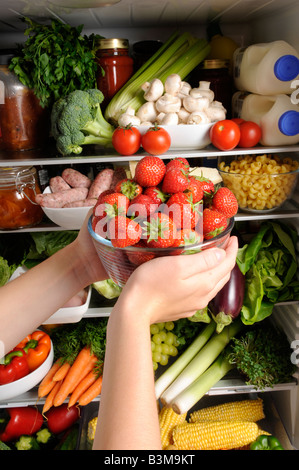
[
  {"x": 70, "y": 314},
  {"x": 186, "y": 136},
  {"x": 70, "y": 218},
  {"x": 18, "y": 387}
]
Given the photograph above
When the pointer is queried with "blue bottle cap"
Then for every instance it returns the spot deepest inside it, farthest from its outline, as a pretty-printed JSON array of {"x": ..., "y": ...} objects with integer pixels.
[
  {"x": 288, "y": 123},
  {"x": 286, "y": 68}
]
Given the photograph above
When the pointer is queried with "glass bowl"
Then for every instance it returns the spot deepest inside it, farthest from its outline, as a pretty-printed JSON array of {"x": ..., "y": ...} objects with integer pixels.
[
  {"x": 121, "y": 262},
  {"x": 261, "y": 183}
]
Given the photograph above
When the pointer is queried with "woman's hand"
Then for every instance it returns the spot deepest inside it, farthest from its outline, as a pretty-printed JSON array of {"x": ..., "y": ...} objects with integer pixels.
[{"x": 174, "y": 287}]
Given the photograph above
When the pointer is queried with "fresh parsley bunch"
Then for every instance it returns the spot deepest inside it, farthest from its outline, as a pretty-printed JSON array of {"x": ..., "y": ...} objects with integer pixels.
[{"x": 55, "y": 60}]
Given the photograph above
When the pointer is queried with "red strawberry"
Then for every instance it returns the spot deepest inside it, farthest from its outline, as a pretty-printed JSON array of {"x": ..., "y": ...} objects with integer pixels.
[
  {"x": 195, "y": 189},
  {"x": 156, "y": 194},
  {"x": 110, "y": 204},
  {"x": 141, "y": 206},
  {"x": 128, "y": 187},
  {"x": 184, "y": 213},
  {"x": 141, "y": 256},
  {"x": 160, "y": 231},
  {"x": 213, "y": 223},
  {"x": 225, "y": 201},
  {"x": 179, "y": 162},
  {"x": 175, "y": 181},
  {"x": 123, "y": 231},
  {"x": 206, "y": 185},
  {"x": 149, "y": 171},
  {"x": 187, "y": 237}
]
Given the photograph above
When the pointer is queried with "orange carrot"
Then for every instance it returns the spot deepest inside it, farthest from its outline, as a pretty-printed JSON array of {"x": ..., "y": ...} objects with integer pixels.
[
  {"x": 73, "y": 376},
  {"x": 92, "y": 392},
  {"x": 47, "y": 383},
  {"x": 61, "y": 372},
  {"x": 83, "y": 385},
  {"x": 50, "y": 398}
]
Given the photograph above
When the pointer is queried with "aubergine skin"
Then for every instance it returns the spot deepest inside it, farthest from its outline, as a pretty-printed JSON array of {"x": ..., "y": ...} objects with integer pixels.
[{"x": 227, "y": 304}]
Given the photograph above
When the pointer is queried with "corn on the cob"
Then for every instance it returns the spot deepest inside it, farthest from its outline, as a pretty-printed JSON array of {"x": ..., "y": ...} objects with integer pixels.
[
  {"x": 215, "y": 435},
  {"x": 244, "y": 410},
  {"x": 91, "y": 429},
  {"x": 168, "y": 419}
]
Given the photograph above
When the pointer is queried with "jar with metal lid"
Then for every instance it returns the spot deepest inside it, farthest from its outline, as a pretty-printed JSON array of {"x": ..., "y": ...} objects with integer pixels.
[
  {"x": 24, "y": 123},
  {"x": 18, "y": 188},
  {"x": 115, "y": 66}
]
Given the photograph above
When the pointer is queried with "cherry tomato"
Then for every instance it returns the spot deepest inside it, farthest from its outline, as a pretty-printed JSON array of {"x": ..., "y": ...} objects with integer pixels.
[
  {"x": 225, "y": 134},
  {"x": 62, "y": 417},
  {"x": 251, "y": 134},
  {"x": 126, "y": 140},
  {"x": 238, "y": 120},
  {"x": 156, "y": 140}
]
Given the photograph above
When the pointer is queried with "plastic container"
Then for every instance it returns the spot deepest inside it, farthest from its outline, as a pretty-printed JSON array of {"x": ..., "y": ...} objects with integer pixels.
[
  {"x": 277, "y": 116},
  {"x": 114, "y": 60},
  {"x": 266, "y": 68},
  {"x": 18, "y": 187}
]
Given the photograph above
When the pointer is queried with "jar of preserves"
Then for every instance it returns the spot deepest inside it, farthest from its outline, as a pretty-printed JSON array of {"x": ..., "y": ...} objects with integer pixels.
[
  {"x": 18, "y": 188},
  {"x": 115, "y": 66},
  {"x": 24, "y": 123}
]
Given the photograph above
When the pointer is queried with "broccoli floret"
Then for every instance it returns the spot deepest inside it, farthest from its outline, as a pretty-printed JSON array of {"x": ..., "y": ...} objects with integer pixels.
[
  {"x": 77, "y": 120},
  {"x": 27, "y": 443}
]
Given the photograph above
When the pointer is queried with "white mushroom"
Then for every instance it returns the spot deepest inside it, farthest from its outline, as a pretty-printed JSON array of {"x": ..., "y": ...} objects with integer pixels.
[
  {"x": 192, "y": 104},
  {"x": 146, "y": 123},
  {"x": 147, "y": 112},
  {"x": 168, "y": 104},
  {"x": 216, "y": 111},
  {"x": 184, "y": 90},
  {"x": 173, "y": 84},
  {"x": 170, "y": 119},
  {"x": 183, "y": 115},
  {"x": 128, "y": 118},
  {"x": 203, "y": 90},
  {"x": 198, "y": 117},
  {"x": 153, "y": 90}
]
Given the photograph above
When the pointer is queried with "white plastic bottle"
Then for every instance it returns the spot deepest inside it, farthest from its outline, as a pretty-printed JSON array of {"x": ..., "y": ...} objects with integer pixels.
[
  {"x": 277, "y": 116},
  {"x": 266, "y": 68}
]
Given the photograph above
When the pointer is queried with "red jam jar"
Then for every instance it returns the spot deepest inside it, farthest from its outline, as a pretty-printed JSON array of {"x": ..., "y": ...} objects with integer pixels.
[
  {"x": 115, "y": 66},
  {"x": 18, "y": 188}
]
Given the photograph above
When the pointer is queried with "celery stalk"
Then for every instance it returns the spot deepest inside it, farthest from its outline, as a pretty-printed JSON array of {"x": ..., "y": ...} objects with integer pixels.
[
  {"x": 183, "y": 360},
  {"x": 185, "y": 400},
  {"x": 180, "y": 54},
  {"x": 203, "y": 359}
]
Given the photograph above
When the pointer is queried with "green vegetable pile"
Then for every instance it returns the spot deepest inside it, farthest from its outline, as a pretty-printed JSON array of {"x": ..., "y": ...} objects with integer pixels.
[
  {"x": 55, "y": 60},
  {"x": 270, "y": 265}
]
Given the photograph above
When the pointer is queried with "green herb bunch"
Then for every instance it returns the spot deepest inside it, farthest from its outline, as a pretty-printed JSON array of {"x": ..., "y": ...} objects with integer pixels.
[{"x": 55, "y": 60}]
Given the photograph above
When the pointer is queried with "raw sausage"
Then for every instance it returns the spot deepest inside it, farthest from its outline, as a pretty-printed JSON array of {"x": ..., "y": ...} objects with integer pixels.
[
  {"x": 75, "y": 178},
  {"x": 59, "y": 199},
  {"x": 57, "y": 183},
  {"x": 84, "y": 203},
  {"x": 101, "y": 183}
]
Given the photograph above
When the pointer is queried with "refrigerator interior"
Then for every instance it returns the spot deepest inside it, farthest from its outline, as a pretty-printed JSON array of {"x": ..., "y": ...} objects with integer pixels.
[{"x": 246, "y": 21}]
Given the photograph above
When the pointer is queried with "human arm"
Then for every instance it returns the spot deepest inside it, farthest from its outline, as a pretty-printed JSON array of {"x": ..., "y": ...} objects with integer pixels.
[
  {"x": 163, "y": 289},
  {"x": 29, "y": 300}
]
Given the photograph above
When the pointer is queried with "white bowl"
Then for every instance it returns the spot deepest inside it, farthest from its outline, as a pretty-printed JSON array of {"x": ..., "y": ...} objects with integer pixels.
[
  {"x": 186, "y": 136},
  {"x": 70, "y": 314},
  {"x": 70, "y": 218},
  {"x": 26, "y": 383}
]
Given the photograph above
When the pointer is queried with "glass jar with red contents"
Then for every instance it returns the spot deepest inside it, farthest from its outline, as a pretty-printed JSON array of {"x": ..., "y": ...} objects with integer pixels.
[
  {"x": 18, "y": 188},
  {"x": 115, "y": 66}
]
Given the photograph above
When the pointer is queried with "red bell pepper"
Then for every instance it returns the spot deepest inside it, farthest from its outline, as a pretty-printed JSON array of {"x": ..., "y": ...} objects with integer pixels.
[
  {"x": 37, "y": 346},
  {"x": 15, "y": 366},
  {"x": 14, "y": 422}
]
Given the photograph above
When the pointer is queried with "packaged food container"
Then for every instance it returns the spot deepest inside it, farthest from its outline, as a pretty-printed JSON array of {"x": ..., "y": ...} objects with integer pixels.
[
  {"x": 18, "y": 187},
  {"x": 24, "y": 123},
  {"x": 114, "y": 60}
]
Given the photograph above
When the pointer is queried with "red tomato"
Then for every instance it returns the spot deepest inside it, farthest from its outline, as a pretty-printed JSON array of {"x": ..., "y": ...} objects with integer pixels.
[
  {"x": 251, "y": 134},
  {"x": 156, "y": 140},
  {"x": 225, "y": 135},
  {"x": 62, "y": 417},
  {"x": 126, "y": 140},
  {"x": 238, "y": 120}
]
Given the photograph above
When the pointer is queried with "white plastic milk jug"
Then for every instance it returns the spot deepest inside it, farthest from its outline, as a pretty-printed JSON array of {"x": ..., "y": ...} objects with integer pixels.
[
  {"x": 266, "y": 68},
  {"x": 277, "y": 116}
]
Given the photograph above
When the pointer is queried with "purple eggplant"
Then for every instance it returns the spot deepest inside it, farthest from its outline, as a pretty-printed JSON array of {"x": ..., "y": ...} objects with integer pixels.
[{"x": 227, "y": 304}]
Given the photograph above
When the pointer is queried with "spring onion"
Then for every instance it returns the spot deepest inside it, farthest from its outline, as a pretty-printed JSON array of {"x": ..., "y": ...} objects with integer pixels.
[
  {"x": 201, "y": 362},
  {"x": 180, "y": 54},
  {"x": 183, "y": 360}
]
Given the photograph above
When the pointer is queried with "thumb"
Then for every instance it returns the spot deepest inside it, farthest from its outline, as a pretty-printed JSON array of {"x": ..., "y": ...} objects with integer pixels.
[{"x": 210, "y": 258}]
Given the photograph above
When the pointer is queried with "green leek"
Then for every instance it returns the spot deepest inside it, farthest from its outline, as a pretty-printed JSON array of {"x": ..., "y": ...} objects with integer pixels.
[
  {"x": 183, "y": 360},
  {"x": 180, "y": 54},
  {"x": 201, "y": 362},
  {"x": 185, "y": 400}
]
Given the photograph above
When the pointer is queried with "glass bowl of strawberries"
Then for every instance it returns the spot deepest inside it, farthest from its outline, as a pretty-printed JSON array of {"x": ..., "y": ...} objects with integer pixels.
[{"x": 161, "y": 211}]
